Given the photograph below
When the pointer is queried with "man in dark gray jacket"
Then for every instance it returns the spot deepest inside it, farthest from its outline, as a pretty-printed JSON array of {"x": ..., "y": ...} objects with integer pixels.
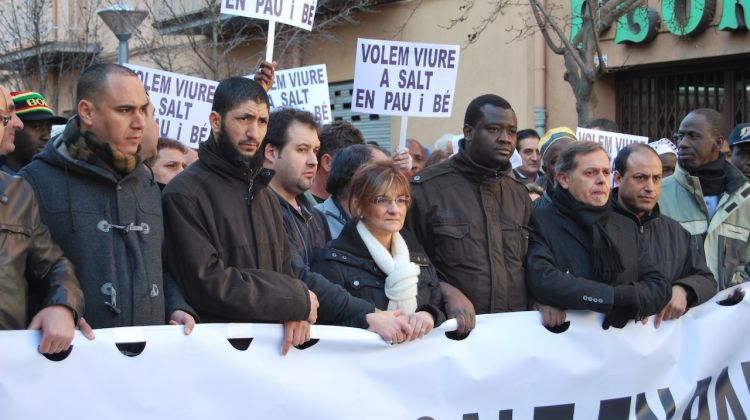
[
  {"x": 638, "y": 174},
  {"x": 104, "y": 209}
]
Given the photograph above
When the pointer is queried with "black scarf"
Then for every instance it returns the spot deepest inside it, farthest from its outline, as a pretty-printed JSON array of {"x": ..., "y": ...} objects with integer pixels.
[
  {"x": 711, "y": 176},
  {"x": 605, "y": 257}
]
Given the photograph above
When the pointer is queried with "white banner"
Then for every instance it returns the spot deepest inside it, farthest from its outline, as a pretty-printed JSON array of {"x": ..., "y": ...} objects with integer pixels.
[
  {"x": 299, "y": 13},
  {"x": 182, "y": 103},
  {"x": 404, "y": 78},
  {"x": 303, "y": 88},
  {"x": 612, "y": 142},
  {"x": 509, "y": 367}
]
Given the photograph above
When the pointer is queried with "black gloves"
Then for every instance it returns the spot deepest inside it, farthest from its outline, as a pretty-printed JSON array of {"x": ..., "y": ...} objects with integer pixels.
[{"x": 624, "y": 308}]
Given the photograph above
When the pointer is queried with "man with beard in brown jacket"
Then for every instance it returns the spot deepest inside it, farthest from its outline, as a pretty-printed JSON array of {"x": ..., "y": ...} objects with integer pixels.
[
  {"x": 472, "y": 217},
  {"x": 226, "y": 243}
]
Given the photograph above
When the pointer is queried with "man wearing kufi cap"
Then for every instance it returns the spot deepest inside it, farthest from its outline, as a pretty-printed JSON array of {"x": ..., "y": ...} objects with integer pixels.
[
  {"x": 32, "y": 108},
  {"x": 667, "y": 152},
  {"x": 739, "y": 143},
  {"x": 552, "y": 143}
]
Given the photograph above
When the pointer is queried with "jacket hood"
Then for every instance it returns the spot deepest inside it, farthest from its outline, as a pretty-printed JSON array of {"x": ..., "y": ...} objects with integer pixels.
[{"x": 473, "y": 170}]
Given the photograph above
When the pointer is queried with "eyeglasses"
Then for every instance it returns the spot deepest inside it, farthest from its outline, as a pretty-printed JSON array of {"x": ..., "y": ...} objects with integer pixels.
[
  {"x": 6, "y": 120},
  {"x": 385, "y": 202}
]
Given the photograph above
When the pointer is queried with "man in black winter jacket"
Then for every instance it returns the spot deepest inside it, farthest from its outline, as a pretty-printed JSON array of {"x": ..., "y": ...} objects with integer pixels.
[
  {"x": 638, "y": 174},
  {"x": 584, "y": 256}
]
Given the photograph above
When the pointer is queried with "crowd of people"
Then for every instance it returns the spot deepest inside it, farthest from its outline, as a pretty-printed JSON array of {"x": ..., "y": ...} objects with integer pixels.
[{"x": 279, "y": 220}]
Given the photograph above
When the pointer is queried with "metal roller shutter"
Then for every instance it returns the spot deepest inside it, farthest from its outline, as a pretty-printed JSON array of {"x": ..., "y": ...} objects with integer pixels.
[{"x": 374, "y": 127}]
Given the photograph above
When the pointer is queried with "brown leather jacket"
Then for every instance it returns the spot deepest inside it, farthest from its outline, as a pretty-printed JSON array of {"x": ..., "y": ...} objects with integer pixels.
[
  {"x": 474, "y": 224},
  {"x": 33, "y": 271}
]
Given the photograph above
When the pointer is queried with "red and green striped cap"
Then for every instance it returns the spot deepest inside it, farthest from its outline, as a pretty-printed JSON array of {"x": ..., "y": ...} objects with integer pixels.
[{"x": 31, "y": 106}]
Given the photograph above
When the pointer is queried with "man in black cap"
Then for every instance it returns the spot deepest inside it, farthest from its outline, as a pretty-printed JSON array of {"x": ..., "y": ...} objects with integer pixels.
[
  {"x": 739, "y": 142},
  {"x": 38, "y": 118}
]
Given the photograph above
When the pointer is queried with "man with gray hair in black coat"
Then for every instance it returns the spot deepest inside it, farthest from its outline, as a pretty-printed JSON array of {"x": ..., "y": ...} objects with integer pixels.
[{"x": 582, "y": 255}]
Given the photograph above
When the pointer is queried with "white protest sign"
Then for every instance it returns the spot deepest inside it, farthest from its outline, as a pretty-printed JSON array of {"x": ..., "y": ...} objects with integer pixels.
[
  {"x": 303, "y": 88},
  {"x": 404, "y": 78},
  {"x": 696, "y": 367},
  {"x": 612, "y": 142},
  {"x": 182, "y": 103},
  {"x": 299, "y": 13}
]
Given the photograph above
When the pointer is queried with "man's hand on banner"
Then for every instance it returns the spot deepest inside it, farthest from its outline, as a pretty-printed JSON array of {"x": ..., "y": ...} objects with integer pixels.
[
  {"x": 58, "y": 327},
  {"x": 296, "y": 333},
  {"x": 85, "y": 329},
  {"x": 459, "y": 307},
  {"x": 551, "y": 316},
  {"x": 676, "y": 307},
  {"x": 314, "y": 305},
  {"x": 180, "y": 317},
  {"x": 265, "y": 74}
]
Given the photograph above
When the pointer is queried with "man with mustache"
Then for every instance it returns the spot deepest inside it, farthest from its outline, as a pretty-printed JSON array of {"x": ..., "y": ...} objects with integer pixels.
[
  {"x": 472, "y": 217},
  {"x": 38, "y": 118},
  {"x": 710, "y": 197},
  {"x": 226, "y": 241},
  {"x": 638, "y": 175},
  {"x": 582, "y": 255}
]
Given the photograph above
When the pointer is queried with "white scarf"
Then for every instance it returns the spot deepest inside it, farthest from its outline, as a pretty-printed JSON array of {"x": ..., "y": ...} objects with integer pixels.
[{"x": 402, "y": 274}]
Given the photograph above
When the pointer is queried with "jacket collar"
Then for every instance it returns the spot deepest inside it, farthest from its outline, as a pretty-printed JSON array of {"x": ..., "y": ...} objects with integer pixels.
[
  {"x": 735, "y": 181},
  {"x": 352, "y": 244},
  {"x": 350, "y": 241},
  {"x": 304, "y": 214},
  {"x": 463, "y": 163},
  {"x": 655, "y": 213},
  {"x": 210, "y": 156}
]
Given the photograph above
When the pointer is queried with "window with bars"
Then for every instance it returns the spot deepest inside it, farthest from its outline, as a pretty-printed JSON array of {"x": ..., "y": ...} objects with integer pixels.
[{"x": 653, "y": 102}]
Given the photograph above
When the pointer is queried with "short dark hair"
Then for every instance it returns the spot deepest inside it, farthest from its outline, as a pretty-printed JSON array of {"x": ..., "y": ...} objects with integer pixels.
[
  {"x": 621, "y": 160},
  {"x": 525, "y": 134},
  {"x": 714, "y": 119},
  {"x": 93, "y": 80},
  {"x": 280, "y": 121},
  {"x": 566, "y": 162},
  {"x": 344, "y": 165},
  {"x": 337, "y": 135},
  {"x": 474, "y": 110},
  {"x": 604, "y": 124},
  {"x": 232, "y": 92}
]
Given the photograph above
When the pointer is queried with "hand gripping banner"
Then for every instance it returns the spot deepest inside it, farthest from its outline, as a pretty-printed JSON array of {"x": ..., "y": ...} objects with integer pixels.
[{"x": 510, "y": 367}]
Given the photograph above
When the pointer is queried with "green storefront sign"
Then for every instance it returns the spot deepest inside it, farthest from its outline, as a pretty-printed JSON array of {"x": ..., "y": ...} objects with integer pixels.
[{"x": 681, "y": 17}]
